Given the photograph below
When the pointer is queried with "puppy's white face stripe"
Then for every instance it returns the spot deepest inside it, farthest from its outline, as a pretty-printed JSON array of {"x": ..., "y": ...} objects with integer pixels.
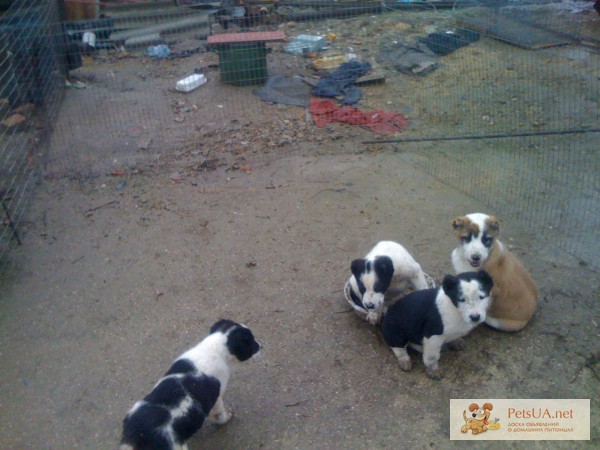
[
  {"x": 371, "y": 299},
  {"x": 473, "y": 302},
  {"x": 476, "y": 240}
]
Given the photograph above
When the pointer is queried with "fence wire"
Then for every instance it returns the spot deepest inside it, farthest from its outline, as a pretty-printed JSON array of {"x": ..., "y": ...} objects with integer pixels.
[
  {"x": 502, "y": 96},
  {"x": 30, "y": 93}
]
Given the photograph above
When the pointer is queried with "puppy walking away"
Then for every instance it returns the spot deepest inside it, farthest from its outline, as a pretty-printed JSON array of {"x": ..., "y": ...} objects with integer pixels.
[{"x": 191, "y": 391}]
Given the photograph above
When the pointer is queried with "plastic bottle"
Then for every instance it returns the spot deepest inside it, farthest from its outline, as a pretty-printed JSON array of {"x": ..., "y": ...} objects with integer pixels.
[
  {"x": 158, "y": 51},
  {"x": 190, "y": 83}
]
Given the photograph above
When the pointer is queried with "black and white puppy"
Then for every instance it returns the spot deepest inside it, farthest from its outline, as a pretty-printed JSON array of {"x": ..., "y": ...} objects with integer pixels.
[
  {"x": 385, "y": 273},
  {"x": 190, "y": 392},
  {"x": 433, "y": 317}
]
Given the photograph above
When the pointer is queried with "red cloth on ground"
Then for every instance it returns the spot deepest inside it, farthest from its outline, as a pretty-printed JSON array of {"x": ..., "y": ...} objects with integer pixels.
[{"x": 383, "y": 122}]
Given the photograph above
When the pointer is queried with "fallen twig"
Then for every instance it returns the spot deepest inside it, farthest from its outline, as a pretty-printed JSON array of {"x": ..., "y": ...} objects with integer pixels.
[
  {"x": 289, "y": 405},
  {"x": 337, "y": 191},
  {"x": 102, "y": 206},
  {"x": 560, "y": 336},
  {"x": 589, "y": 362},
  {"x": 579, "y": 369}
]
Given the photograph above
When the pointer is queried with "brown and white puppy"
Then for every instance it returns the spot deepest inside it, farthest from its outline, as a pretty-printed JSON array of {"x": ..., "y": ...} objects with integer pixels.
[{"x": 514, "y": 296}]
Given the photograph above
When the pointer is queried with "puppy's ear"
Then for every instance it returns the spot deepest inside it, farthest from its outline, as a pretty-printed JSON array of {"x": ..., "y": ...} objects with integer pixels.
[
  {"x": 450, "y": 287},
  {"x": 473, "y": 407},
  {"x": 487, "y": 282},
  {"x": 493, "y": 225},
  {"x": 358, "y": 267},
  {"x": 488, "y": 406},
  {"x": 222, "y": 325},
  {"x": 458, "y": 222}
]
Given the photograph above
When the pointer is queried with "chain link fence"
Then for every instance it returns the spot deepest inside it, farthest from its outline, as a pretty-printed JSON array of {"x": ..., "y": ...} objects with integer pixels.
[
  {"x": 496, "y": 98},
  {"x": 30, "y": 94}
]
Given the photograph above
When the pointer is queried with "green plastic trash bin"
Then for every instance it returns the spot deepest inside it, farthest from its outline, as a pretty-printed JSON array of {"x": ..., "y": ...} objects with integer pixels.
[{"x": 243, "y": 64}]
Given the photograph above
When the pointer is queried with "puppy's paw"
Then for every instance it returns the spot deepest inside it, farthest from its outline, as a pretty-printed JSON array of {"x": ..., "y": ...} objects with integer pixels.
[
  {"x": 434, "y": 373},
  {"x": 405, "y": 363},
  {"x": 374, "y": 317},
  {"x": 403, "y": 358},
  {"x": 222, "y": 417}
]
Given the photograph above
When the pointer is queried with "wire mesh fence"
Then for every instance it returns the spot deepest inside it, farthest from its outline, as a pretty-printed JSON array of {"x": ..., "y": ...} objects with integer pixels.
[
  {"x": 502, "y": 96},
  {"x": 29, "y": 94}
]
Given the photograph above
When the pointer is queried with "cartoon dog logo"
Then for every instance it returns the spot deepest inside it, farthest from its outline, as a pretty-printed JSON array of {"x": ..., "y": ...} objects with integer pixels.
[{"x": 480, "y": 419}]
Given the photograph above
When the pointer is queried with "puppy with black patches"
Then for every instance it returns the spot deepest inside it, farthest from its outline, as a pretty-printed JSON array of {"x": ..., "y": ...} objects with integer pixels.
[
  {"x": 514, "y": 297},
  {"x": 190, "y": 392},
  {"x": 386, "y": 272},
  {"x": 433, "y": 317}
]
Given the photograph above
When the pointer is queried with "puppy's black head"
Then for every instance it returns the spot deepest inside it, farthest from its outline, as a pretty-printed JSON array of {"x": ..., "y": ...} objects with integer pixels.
[
  {"x": 240, "y": 340},
  {"x": 451, "y": 284},
  {"x": 223, "y": 326},
  {"x": 470, "y": 294},
  {"x": 382, "y": 266},
  {"x": 241, "y": 343}
]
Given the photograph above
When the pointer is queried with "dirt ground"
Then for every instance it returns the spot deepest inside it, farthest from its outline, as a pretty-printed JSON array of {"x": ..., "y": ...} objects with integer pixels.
[
  {"x": 113, "y": 284},
  {"x": 123, "y": 270}
]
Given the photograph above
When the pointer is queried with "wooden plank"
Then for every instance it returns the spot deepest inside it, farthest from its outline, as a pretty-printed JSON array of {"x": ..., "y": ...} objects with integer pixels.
[
  {"x": 370, "y": 78},
  {"x": 184, "y": 24},
  {"x": 506, "y": 29},
  {"x": 252, "y": 36}
]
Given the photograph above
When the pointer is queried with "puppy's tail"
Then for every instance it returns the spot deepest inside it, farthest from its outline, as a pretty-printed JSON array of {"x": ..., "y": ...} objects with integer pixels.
[{"x": 430, "y": 281}]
